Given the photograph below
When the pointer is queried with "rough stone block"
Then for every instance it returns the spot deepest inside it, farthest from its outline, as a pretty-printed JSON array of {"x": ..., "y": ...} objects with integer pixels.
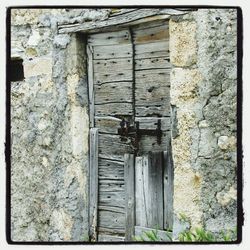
[
  {"x": 187, "y": 191},
  {"x": 182, "y": 43},
  {"x": 227, "y": 143},
  {"x": 225, "y": 197},
  {"x": 208, "y": 141},
  {"x": 37, "y": 67},
  {"x": 184, "y": 85},
  {"x": 79, "y": 130}
]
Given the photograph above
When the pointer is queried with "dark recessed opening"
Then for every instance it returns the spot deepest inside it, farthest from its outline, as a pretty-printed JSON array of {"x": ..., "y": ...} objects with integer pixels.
[{"x": 16, "y": 70}]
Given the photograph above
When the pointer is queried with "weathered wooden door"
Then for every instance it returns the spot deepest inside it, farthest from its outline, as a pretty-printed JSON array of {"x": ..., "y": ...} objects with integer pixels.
[{"x": 130, "y": 170}]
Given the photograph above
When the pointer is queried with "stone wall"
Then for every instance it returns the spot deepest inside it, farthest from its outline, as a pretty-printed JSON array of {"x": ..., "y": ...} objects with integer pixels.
[
  {"x": 49, "y": 112},
  {"x": 203, "y": 98}
]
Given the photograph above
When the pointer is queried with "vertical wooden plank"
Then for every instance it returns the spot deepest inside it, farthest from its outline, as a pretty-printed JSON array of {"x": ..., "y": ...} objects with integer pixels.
[
  {"x": 168, "y": 189},
  {"x": 155, "y": 190},
  {"x": 129, "y": 176},
  {"x": 91, "y": 85},
  {"x": 93, "y": 190},
  {"x": 140, "y": 190}
]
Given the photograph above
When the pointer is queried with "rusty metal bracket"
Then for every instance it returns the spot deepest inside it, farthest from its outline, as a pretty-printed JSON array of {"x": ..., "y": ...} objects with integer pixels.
[{"x": 134, "y": 131}]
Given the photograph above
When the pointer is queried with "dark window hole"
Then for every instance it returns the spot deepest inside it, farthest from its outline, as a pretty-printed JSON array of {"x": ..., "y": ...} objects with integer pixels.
[{"x": 16, "y": 70}]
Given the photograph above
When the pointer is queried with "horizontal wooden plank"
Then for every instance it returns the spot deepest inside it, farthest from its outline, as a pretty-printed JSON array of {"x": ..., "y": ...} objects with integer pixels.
[
  {"x": 155, "y": 110},
  {"x": 112, "y": 157},
  {"x": 112, "y": 198},
  {"x": 111, "y": 184},
  {"x": 151, "y": 122},
  {"x": 113, "y": 65},
  {"x": 111, "y": 169},
  {"x": 149, "y": 143},
  {"x": 113, "y": 51},
  {"x": 113, "y": 92},
  {"x": 152, "y": 34},
  {"x": 105, "y": 230},
  {"x": 150, "y": 50},
  {"x": 152, "y": 96},
  {"x": 153, "y": 63},
  {"x": 151, "y": 24},
  {"x": 140, "y": 15},
  {"x": 111, "y": 76},
  {"x": 112, "y": 145},
  {"x": 155, "y": 76},
  {"x": 111, "y": 220},
  {"x": 121, "y": 11},
  {"x": 108, "y": 38},
  {"x": 105, "y": 109},
  {"x": 107, "y": 124},
  {"x": 112, "y": 209},
  {"x": 110, "y": 238},
  {"x": 162, "y": 235}
]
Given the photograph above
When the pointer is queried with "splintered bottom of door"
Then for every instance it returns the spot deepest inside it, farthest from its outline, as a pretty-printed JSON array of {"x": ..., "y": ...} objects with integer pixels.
[{"x": 111, "y": 200}]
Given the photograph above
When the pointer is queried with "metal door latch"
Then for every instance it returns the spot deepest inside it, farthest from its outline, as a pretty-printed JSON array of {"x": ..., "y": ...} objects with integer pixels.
[{"x": 134, "y": 131}]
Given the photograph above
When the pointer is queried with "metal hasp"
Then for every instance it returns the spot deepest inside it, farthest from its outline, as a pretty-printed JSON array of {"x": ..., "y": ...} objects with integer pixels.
[{"x": 136, "y": 132}]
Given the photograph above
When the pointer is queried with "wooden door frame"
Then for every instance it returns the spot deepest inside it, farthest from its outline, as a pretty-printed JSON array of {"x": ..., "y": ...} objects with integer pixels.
[{"x": 92, "y": 27}]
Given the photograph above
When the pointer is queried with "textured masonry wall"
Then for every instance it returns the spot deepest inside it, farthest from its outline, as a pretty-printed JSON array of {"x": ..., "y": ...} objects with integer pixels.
[
  {"x": 49, "y": 111},
  {"x": 203, "y": 97}
]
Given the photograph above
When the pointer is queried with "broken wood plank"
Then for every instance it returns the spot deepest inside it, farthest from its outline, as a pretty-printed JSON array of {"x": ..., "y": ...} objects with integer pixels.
[
  {"x": 153, "y": 63},
  {"x": 113, "y": 51},
  {"x": 152, "y": 34},
  {"x": 124, "y": 19},
  {"x": 93, "y": 171},
  {"x": 110, "y": 38},
  {"x": 112, "y": 145},
  {"x": 91, "y": 85},
  {"x": 129, "y": 177},
  {"x": 112, "y": 76},
  {"x": 107, "y": 124},
  {"x": 161, "y": 234},
  {"x": 114, "y": 65},
  {"x": 105, "y": 109},
  {"x": 151, "y": 122},
  {"x": 150, "y": 50},
  {"x": 113, "y": 92},
  {"x": 110, "y": 238}
]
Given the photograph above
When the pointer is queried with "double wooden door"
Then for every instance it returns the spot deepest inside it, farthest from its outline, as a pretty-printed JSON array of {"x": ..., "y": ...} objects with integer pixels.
[{"x": 130, "y": 160}]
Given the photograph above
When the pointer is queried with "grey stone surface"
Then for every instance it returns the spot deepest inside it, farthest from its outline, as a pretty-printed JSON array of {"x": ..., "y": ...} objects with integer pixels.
[{"x": 216, "y": 39}]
